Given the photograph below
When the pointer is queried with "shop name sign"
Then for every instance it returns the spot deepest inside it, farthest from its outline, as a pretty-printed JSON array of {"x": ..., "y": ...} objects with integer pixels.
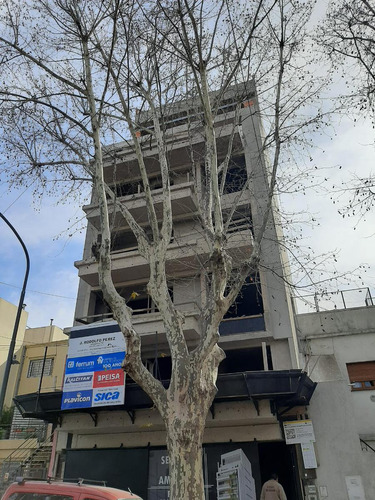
[{"x": 93, "y": 374}]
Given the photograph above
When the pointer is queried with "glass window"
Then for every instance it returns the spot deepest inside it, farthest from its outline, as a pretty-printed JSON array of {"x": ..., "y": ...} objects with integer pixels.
[{"x": 38, "y": 496}]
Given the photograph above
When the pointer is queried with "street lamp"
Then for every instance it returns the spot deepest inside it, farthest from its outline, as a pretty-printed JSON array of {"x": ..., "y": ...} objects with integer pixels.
[{"x": 17, "y": 321}]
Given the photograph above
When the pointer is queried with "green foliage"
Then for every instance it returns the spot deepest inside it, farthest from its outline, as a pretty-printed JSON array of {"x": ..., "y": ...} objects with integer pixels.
[
  {"x": 6, "y": 416},
  {"x": 5, "y": 422}
]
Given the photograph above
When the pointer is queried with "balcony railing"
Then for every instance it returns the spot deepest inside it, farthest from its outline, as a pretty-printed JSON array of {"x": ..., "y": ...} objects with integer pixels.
[
  {"x": 329, "y": 301},
  {"x": 148, "y": 322},
  {"x": 285, "y": 388},
  {"x": 253, "y": 323},
  {"x": 189, "y": 308}
]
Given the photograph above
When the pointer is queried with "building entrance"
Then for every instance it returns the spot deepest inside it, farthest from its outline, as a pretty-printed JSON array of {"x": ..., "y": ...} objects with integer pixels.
[{"x": 280, "y": 458}]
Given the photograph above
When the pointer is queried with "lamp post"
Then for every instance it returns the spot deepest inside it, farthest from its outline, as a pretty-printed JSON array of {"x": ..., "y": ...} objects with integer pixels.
[{"x": 17, "y": 320}]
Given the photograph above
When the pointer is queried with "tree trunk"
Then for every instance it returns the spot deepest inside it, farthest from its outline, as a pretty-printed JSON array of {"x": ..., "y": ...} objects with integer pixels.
[
  {"x": 189, "y": 398},
  {"x": 184, "y": 442}
]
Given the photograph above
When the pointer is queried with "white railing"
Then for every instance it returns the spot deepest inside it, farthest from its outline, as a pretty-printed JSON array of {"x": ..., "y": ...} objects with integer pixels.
[{"x": 329, "y": 301}]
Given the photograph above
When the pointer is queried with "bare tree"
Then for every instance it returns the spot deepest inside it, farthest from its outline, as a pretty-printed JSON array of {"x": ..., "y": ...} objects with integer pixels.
[
  {"x": 76, "y": 71},
  {"x": 348, "y": 38}
]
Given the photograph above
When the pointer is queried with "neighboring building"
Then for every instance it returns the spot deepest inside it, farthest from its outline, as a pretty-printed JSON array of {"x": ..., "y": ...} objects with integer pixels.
[
  {"x": 8, "y": 314},
  {"x": 41, "y": 369},
  {"x": 42, "y": 346},
  {"x": 38, "y": 368},
  {"x": 338, "y": 348},
  {"x": 260, "y": 382}
]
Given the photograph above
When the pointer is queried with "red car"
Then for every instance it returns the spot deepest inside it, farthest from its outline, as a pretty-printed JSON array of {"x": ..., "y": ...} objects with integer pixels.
[{"x": 50, "y": 490}]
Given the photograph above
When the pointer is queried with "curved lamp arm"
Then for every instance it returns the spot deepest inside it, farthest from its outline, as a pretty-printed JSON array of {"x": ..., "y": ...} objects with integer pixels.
[{"x": 17, "y": 320}]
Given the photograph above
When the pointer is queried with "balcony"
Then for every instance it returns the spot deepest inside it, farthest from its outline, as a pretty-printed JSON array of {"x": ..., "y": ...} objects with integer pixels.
[
  {"x": 182, "y": 198},
  {"x": 185, "y": 144},
  {"x": 284, "y": 388},
  {"x": 148, "y": 325},
  {"x": 238, "y": 199},
  {"x": 185, "y": 256}
]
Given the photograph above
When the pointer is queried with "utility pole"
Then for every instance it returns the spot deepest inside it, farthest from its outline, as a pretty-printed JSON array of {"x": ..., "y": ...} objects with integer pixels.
[{"x": 17, "y": 320}]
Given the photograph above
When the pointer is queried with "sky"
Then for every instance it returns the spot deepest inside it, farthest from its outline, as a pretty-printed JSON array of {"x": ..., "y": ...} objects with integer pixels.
[
  {"x": 349, "y": 152},
  {"x": 52, "y": 283}
]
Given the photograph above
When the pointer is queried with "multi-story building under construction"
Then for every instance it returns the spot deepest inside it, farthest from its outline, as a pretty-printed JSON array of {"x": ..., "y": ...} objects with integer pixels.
[{"x": 260, "y": 383}]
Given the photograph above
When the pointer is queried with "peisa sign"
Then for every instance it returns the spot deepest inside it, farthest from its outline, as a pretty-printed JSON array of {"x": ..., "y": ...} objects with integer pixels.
[{"x": 93, "y": 374}]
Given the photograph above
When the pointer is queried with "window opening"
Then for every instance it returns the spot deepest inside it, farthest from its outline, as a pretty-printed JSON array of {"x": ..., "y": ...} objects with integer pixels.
[
  {"x": 121, "y": 241},
  {"x": 125, "y": 241},
  {"x": 249, "y": 301},
  {"x": 240, "y": 220},
  {"x": 236, "y": 175},
  {"x": 362, "y": 375},
  {"x": 245, "y": 360},
  {"x": 136, "y": 298},
  {"x": 136, "y": 187},
  {"x": 160, "y": 366},
  {"x": 36, "y": 365}
]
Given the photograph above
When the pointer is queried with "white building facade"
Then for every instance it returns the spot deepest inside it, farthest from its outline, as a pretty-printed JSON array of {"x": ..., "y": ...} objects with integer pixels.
[{"x": 338, "y": 349}]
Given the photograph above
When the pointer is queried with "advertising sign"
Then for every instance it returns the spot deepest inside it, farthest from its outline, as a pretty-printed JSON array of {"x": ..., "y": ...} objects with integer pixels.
[
  {"x": 93, "y": 373},
  {"x": 299, "y": 431}
]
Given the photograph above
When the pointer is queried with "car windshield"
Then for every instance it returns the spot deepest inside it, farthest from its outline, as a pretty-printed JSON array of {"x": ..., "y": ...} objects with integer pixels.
[{"x": 38, "y": 496}]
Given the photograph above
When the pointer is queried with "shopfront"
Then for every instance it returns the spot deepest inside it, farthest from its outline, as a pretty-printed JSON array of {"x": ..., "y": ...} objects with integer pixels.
[{"x": 146, "y": 470}]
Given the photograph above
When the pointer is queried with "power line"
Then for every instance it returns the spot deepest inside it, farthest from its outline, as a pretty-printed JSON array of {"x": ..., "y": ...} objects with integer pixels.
[
  {"x": 36, "y": 291},
  {"x": 18, "y": 197}
]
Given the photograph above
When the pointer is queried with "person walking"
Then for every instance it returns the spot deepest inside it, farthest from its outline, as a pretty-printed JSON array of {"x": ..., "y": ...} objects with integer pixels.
[{"x": 272, "y": 489}]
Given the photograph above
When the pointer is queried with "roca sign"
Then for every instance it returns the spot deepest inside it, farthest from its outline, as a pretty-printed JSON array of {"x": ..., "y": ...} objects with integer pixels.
[{"x": 93, "y": 373}]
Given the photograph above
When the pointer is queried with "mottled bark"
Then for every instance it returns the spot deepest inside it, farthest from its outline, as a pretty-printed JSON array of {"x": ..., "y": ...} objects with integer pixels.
[
  {"x": 188, "y": 402},
  {"x": 184, "y": 442}
]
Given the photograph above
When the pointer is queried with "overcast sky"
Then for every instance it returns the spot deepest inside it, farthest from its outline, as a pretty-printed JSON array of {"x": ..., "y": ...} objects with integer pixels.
[{"x": 349, "y": 152}]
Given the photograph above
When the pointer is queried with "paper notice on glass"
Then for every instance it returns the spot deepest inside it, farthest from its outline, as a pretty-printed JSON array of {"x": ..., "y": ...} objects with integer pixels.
[{"x": 308, "y": 455}]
